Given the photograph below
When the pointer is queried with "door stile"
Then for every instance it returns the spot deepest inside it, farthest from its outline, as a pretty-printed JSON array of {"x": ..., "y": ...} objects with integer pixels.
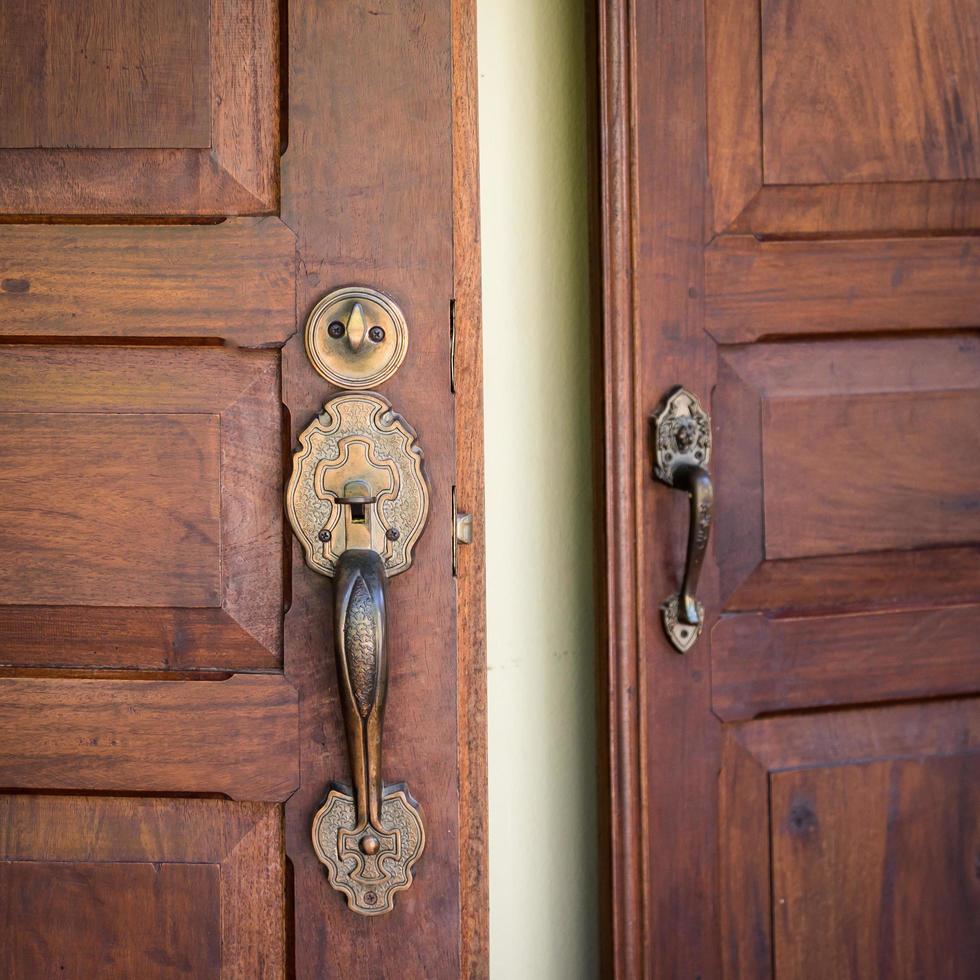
[
  {"x": 471, "y": 653},
  {"x": 618, "y": 675},
  {"x": 671, "y": 929}
]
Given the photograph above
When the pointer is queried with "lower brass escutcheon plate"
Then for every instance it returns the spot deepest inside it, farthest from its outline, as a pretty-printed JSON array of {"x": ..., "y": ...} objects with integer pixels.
[{"x": 369, "y": 865}]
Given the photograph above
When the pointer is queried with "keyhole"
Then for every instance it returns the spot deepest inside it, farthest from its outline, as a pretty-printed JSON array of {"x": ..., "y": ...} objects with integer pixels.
[{"x": 357, "y": 513}]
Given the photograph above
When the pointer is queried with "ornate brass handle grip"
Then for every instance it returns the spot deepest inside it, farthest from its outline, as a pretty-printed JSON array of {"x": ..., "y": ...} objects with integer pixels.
[
  {"x": 682, "y": 446},
  {"x": 357, "y": 501},
  {"x": 362, "y": 674}
]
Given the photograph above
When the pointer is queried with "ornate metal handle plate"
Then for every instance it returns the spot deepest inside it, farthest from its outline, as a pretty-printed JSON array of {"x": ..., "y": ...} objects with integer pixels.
[
  {"x": 357, "y": 500},
  {"x": 682, "y": 448}
]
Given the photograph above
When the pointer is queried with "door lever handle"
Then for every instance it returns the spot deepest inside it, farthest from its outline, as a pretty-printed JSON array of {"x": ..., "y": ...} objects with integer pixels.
[
  {"x": 682, "y": 448},
  {"x": 358, "y": 501}
]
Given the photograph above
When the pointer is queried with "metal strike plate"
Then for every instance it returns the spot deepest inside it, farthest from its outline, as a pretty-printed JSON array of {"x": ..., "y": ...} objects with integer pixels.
[
  {"x": 358, "y": 443},
  {"x": 356, "y": 337}
]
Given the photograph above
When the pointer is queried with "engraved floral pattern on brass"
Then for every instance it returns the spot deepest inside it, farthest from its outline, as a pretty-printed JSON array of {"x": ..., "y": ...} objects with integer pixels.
[
  {"x": 357, "y": 439},
  {"x": 356, "y": 337},
  {"x": 682, "y": 449},
  {"x": 358, "y": 501},
  {"x": 367, "y": 865}
]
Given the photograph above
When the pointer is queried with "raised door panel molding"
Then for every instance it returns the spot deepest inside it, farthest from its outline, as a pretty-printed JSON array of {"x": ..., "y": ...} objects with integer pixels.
[
  {"x": 823, "y": 815},
  {"x": 107, "y": 112},
  {"x": 810, "y": 133},
  {"x": 112, "y": 74},
  {"x": 884, "y": 90},
  {"x": 170, "y": 557},
  {"x": 236, "y": 736},
  {"x": 847, "y": 519},
  {"x": 122, "y": 888},
  {"x": 234, "y": 281},
  {"x": 759, "y": 290}
]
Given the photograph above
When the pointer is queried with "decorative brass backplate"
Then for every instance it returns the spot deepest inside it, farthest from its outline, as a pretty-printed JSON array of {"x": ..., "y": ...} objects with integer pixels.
[
  {"x": 369, "y": 865},
  {"x": 356, "y": 337},
  {"x": 683, "y": 435},
  {"x": 357, "y": 500},
  {"x": 682, "y": 635},
  {"x": 357, "y": 440}
]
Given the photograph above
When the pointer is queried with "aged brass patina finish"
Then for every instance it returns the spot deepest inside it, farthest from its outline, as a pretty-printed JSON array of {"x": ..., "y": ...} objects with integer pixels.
[
  {"x": 358, "y": 501},
  {"x": 357, "y": 457},
  {"x": 682, "y": 448},
  {"x": 356, "y": 337}
]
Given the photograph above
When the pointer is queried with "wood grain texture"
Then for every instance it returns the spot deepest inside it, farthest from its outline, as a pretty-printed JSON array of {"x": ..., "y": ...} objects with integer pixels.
[
  {"x": 623, "y": 924},
  {"x": 681, "y": 747},
  {"x": 382, "y": 213},
  {"x": 471, "y": 654},
  {"x": 680, "y": 119},
  {"x": 870, "y": 210},
  {"x": 245, "y": 96},
  {"x": 860, "y": 366},
  {"x": 888, "y": 90},
  {"x": 234, "y": 172},
  {"x": 82, "y": 73},
  {"x": 935, "y": 742},
  {"x": 846, "y": 474},
  {"x": 236, "y": 736},
  {"x": 159, "y": 546},
  {"x": 896, "y": 386},
  {"x": 763, "y": 664},
  {"x": 744, "y": 898},
  {"x": 851, "y": 583},
  {"x": 141, "y": 887},
  {"x": 757, "y": 290},
  {"x": 116, "y": 920},
  {"x": 734, "y": 108},
  {"x": 745, "y": 202},
  {"x": 116, "y": 398},
  {"x": 152, "y": 638},
  {"x": 874, "y": 866},
  {"x": 862, "y": 558},
  {"x": 235, "y": 281}
]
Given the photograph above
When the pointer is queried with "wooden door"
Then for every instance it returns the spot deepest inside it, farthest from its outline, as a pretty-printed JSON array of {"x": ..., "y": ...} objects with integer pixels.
[
  {"x": 180, "y": 182},
  {"x": 791, "y": 195}
]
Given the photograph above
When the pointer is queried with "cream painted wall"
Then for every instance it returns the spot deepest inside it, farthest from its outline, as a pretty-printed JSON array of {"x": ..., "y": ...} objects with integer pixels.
[{"x": 543, "y": 902}]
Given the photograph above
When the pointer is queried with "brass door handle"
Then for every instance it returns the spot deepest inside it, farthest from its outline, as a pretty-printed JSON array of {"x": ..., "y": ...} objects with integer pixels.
[
  {"x": 682, "y": 448},
  {"x": 358, "y": 501},
  {"x": 360, "y": 590}
]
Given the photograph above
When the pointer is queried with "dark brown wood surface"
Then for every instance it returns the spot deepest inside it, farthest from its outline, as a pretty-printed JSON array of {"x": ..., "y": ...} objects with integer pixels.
[
  {"x": 789, "y": 230},
  {"x": 234, "y": 736},
  {"x": 234, "y": 281},
  {"x": 778, "y": 289},
  {"x": 816, "y": 87},
  {"x": 151, "y": 109},
  {"x": 882, "y": 91},
  {"x": 162, "y": 643},
  {"x": 140, "y": 887},
  {"x": 141, "y": 481},
  {"x": 471, "y": 625},
  {"x": 394, "y": 227},
  {"x": 66, "y": 68},
  {"x": 882, "y": 804}
]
